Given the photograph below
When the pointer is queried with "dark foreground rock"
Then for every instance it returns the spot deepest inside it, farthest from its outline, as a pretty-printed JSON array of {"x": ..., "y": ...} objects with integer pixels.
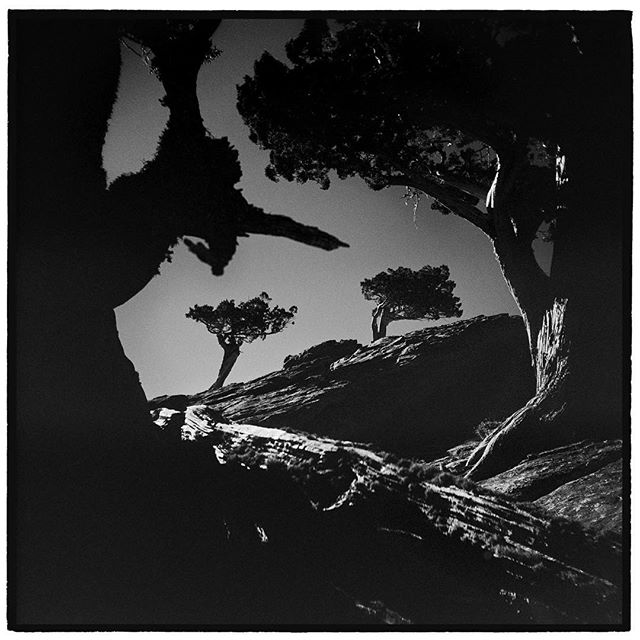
[
  {"x": 401, "y": 542},
  {"x": 594, "y": 500},
  {"x": 538, "y": 475},
  {"x": 417, "y": 394},
  {"x": 581, "y": 482},
  {"x": 321, "y": 528}
]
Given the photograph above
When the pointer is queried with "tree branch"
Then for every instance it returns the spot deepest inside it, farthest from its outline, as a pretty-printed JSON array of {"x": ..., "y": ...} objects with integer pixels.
[
  {"x": 379, "y": 309},
  {"x": 458, "y": 201},
  {"x": 512, "y": 244},
  {"x": 512, "y": 201},
  {"x": 123, "y": 40},
  {"x": 467, "y": 186},
  {"x": 254, "y": 220}
]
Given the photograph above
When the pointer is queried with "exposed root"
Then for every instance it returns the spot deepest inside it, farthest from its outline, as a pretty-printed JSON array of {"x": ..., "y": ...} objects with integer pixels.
[{"x": 542, "y": 423}]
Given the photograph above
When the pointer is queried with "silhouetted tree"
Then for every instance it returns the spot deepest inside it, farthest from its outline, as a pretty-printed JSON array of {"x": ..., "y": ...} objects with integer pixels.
[
  {"x": 85, "y": 248},
  {"x": 84, "y": 447},
  {"x": 482, "y": 115},
  {"x": 404, "y": 294},
  {"x": 236, "y": 324}
]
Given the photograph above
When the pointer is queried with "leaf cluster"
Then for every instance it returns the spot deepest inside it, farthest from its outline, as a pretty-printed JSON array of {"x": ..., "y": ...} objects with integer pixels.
[
  {"x": 414, "y": 295},
  {"x": 340, "y": 76},
  {"x": 352, "y": 86},
  {"x": 245, "y": 321},
  {"x": 395, "y": 100}
]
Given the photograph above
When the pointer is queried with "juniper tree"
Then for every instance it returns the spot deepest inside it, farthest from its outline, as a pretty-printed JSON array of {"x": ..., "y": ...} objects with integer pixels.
[
  {"x": 83, "y": 440},
  {"x": 235, "y": 325},
  {"x": 509, "y": 123},
  {"x": 85, "y": 247},
  {"x": 404, "y": 294}
]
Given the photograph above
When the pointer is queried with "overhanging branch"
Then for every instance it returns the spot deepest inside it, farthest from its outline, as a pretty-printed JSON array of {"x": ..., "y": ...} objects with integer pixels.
[
  {"x": 458, "y": 201},
  {"x": 254, "y": 220},
  {"x": 239, "y": 218}
]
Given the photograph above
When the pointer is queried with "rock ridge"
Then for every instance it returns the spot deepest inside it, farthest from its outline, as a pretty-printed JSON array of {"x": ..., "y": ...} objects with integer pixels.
[{"x": 415, "y": 394}]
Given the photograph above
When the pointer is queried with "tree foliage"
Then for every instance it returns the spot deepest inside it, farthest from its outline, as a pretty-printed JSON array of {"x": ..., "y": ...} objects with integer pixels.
[
  {"x": 503, "y": 120},
  {"x": 245, "y": 321},
  {"x": 414, "y": 295},
  {"x": 427, "y": 104},
  {"x": 190, "y": 186}
]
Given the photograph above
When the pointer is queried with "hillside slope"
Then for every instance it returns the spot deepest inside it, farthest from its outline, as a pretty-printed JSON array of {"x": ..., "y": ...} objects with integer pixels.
[{"x": 417, "y": 394}]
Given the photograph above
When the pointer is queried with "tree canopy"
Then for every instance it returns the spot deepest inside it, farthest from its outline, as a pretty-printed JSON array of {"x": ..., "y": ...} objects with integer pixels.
[
  {"x": 414, "y": 295},
  {"x": 496, "y": 119},
  {"x": 427, "y": 104},
  {"x": 245, "y": 321}
]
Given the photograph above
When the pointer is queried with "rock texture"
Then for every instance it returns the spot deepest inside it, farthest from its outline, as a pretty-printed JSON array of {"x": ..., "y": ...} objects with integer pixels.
[
  {"x": 391, "y": 532},
  {"x": 322, "y": 354},
  {"x": 594, "y": 500},
  {"x": 581, "y": 482},
  {"x": 417, "y": 394},
  {"x": 539, "y": 474},
  {"x": 405, "y": 543}
]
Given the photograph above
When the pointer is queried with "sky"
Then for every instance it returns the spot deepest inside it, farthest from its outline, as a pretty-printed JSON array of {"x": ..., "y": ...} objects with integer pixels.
[{"x": 175, "y": 355}]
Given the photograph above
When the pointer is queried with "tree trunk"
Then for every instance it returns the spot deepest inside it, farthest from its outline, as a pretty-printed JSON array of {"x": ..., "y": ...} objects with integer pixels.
[
  {"x": 87, "y": 470},
  {"x": 96, "y": 496},
  {"x": 578, "y": 364},
  {"x": 579, "y": 349},
  {"x": 380, "y": 321},
  {"x": 576, "y": 348},
  {"x": 231, "y": 353},
  {"x": 529, "y": 285},
  {"x": 384, "y": 323},
  {"x": 374, "y": 329}
]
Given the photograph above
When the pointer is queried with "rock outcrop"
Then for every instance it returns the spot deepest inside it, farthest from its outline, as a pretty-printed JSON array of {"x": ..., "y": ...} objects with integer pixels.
[
  {"x": 322, "y": 354},
  {"x": 417, "y": 394},
  {"x": 582, "y": 482},
  {"x": 408, "y": 543},
  {"x": 594, "y": 500},
  {"x": 344, "y": 475}
]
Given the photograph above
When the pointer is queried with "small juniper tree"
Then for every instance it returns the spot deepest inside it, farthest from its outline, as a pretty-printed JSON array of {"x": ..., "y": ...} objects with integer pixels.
[
  {"x": 236, "y": 324},
  {"x": 404, "y": 294}
]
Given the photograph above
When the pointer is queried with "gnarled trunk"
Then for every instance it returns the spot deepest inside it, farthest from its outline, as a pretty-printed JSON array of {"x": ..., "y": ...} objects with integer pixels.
[
  {"x": 380, "y": 321},
  {"x": 529, "y": 285},
  {"x": 578, "y": 365},
  {"x": 98, "y": 504},
  {"x": 578, "y": 352},
  {"x": 231, "y": 353}
]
